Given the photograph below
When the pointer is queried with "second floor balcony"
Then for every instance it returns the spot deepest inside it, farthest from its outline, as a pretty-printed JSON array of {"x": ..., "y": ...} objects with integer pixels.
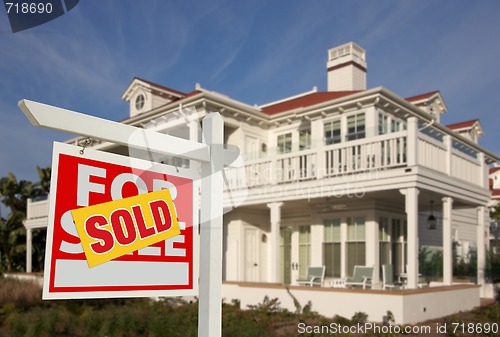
[{"x": 439, "y": 154}]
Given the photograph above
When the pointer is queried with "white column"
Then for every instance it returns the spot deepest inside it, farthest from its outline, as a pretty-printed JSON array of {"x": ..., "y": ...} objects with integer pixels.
[
  {"x": 411, "y": 200},
  {"x": 412, "y": 142},
  {"x": 447, "y": 241},
  {"x": 29, "y": 250},
  {"x": 210, "y": 305},
  {"x": 371, "y": 120},
  {"x": 274, "y": 247},
  {"x": 481, "y": 251},
  {"x": 372, "y": 254}
]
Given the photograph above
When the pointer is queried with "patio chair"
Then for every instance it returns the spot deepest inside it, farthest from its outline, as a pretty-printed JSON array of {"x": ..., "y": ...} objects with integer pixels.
[
  {"x": 315, "y": 277},
  {"x": 362, "y": 277},
  {"x": 388, "y": 277}
]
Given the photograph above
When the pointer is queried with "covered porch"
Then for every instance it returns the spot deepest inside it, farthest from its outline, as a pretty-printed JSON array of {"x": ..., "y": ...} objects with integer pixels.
[{"x": 276, "y": 242}]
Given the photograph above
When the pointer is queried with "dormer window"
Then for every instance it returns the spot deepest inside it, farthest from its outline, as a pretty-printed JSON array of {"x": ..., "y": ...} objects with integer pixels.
[{"x": 139, "y": 102}]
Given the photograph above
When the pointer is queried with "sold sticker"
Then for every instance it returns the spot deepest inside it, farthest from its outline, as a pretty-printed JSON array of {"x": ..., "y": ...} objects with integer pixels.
[{"x": 113, "y": 229}]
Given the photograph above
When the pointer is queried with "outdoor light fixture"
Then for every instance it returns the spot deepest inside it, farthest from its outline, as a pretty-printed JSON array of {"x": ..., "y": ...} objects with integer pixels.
[{"x": 431, "y": 219}]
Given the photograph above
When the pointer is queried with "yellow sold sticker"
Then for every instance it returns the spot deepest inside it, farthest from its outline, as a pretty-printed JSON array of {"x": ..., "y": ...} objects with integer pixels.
[{"x": 113, "y": 229}]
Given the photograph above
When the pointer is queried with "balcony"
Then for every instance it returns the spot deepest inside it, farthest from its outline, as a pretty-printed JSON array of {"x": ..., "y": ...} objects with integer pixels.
[
  {"x": 37, "y": 213},
  {"x": 371, "y": 157}
]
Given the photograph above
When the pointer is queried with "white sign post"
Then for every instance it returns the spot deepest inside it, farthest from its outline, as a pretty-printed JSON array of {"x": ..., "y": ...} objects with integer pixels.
[{"x": 213, "y": 159}]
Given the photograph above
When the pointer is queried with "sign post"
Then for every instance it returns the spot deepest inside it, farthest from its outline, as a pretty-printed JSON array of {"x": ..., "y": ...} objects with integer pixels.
[{"x": 213, "y": 159}]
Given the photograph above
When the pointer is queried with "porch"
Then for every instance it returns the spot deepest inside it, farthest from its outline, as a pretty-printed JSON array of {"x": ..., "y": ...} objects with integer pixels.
[{"x": 407, "y": 306}]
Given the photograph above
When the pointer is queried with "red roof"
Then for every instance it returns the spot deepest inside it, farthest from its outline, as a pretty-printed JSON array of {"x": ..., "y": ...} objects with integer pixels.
[
  {"x": 466, "y": 124},
  {"x": 305, "y": 101},
  {"x": 421, "y": 96},
  {"x": 494, "y": 169}
]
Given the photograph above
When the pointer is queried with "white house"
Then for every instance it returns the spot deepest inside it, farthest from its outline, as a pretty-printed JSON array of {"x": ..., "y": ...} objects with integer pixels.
[{"x": 349, "y": 176}]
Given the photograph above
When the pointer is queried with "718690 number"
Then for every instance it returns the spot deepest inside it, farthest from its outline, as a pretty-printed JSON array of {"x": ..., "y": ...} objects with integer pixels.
[{"x": 29, "y": 8}]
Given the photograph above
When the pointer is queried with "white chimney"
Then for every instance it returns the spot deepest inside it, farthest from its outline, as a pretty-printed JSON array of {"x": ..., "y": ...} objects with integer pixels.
[{"x": 346, "y": 68}]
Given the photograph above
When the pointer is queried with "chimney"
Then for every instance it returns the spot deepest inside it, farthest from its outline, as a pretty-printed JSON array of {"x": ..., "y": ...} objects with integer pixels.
[{"x": 346, "y": 68}]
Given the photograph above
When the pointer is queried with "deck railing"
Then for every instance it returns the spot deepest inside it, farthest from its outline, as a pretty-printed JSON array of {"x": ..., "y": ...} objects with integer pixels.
[
  {"x": 37, "y": 209},
  {"x": 380, "y": 152}
]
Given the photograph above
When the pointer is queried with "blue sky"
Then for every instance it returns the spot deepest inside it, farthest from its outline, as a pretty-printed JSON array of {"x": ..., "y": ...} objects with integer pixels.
[{"x": 253, "y": 51}]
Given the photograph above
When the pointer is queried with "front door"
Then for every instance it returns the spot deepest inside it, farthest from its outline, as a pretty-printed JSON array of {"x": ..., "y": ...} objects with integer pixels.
[
  {"x": 295, "y": 252},
  {"x": 251, "y": 255}
]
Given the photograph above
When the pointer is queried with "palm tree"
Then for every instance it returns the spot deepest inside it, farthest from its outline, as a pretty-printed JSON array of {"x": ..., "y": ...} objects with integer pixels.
[
  {"x": 12, "y": 241},
  {"x": 14, "y": 195},
  {"x": 43, "y": 185}
]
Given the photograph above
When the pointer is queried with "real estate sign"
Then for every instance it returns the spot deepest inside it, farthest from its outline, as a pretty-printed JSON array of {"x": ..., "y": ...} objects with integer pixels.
[{"x": 131, "y": 209}]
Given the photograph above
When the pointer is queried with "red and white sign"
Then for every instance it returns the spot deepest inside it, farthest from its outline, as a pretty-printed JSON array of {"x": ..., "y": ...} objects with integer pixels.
[{"x": 167, "y": 268}]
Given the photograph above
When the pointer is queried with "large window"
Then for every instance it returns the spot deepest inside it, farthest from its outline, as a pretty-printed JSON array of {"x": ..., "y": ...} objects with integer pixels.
[
  {"x": 304, "y": 139},
  {"x": 331, "y": 247},
  {"x": 356, "y": 126},
  {"x": 285, "y": 143},
  {"x": 332, "y": 132},
  {"x": 355, "y": 243},
  {"x": 304, "y": 249}
]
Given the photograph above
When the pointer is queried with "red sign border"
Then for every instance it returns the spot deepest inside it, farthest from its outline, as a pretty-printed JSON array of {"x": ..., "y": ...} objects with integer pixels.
[{"x": 118, "y": 291}]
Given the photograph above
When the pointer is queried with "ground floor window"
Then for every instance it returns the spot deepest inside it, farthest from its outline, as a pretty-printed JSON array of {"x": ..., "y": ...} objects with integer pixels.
[
  {"x": 355, "y": 246},
  {"x": 384, "y": 242},
  {"x": 332, "y": 248},
  {"x": 398, "y": 243}
]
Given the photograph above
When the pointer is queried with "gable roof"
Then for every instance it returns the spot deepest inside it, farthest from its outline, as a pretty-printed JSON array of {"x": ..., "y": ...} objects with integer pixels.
[
  {"x": 462, "y": 125},
  {"x": 494, "y": 169},
  {"x": 305, "y": 101},
  {"x": 422, "y": 96},
  {"x": 161, "y": 87},
  {"x": 155, "y": 88}
]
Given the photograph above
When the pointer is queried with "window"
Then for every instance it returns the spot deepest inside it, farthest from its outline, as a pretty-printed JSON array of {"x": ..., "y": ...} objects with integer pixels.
[
  {"x": 355, "y": 243},
  {"x": 332, "y": 132},
  {"x": 331, "y": 247},
  {"x": 398, "y": 242},
  {"x": 384, "y": 242},
  {"x": 139, "y": 102},
  {"x": 395, "y": 125},
  {"x": 382, "y": 124},
  {"x": 285, "y": 143},
  {"x": 304, "y": 249},
  {"x": 304, "y": 139},
  {"x": 356, "y": 126}
]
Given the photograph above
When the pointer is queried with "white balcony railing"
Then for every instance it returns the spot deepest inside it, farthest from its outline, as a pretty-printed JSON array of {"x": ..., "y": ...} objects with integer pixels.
[
  {"x": 381, "y": 152},
  {"x": 37, "y": 209}
]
